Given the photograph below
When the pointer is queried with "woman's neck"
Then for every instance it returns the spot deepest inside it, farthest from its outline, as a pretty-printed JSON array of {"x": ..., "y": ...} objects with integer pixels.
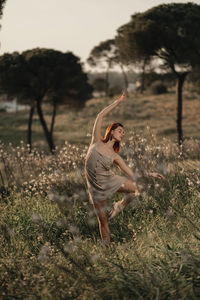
[{"x": 110, "y": 143}]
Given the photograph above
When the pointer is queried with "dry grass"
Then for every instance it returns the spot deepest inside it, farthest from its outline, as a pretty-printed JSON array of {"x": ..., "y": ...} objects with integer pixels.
[
  {"x": 49, "y": 242},
  {"x": 138, "y": 112}
]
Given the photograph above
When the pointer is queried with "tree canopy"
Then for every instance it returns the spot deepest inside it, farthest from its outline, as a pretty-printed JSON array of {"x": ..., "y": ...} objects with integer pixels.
[
  {"x": 35, "y": 73},
  {"x": 106, "y": 54},
  {"x": 103, "y": 55},
  {"x": 170, "y": 33},
  {"x": 39, "y": 75},
  {"x": 2, "y": 4}
]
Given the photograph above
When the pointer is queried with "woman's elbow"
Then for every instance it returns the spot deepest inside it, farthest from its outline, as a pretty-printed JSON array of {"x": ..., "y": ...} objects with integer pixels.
[{"x": 100, "y": 115}]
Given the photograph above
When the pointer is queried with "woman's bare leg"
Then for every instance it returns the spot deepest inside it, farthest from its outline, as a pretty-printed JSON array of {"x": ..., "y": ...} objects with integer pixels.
[
  {"x": 102, "y": 217},
  {"x": 130, "y": 190}
]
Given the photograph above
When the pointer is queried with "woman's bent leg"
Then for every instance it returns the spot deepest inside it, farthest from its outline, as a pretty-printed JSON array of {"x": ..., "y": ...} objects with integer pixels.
[
  {"x": 130, "y": 191},
  {"x": 102, "y": 217}
]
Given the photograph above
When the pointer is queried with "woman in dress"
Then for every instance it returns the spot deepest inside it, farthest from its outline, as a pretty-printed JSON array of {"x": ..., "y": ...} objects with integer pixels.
[{"x": 101, "y": 181}]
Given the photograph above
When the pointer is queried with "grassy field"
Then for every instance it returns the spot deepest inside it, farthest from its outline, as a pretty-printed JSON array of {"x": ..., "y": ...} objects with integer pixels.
[
  {"x": 49, "y": 242},
  {"x": 138, "y": 112}
]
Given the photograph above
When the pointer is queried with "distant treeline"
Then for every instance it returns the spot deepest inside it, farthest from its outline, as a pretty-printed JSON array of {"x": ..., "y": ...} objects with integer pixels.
[{"x": 155, "y": 48}]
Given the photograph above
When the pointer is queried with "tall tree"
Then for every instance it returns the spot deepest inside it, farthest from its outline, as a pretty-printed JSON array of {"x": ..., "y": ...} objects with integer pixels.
[
  {"x": 2, "y": 4},
  {"x": 101, "y": 56},
  {"x": 40, "y": 75},
  {"x": 106, "y": 54},
  {"x": 99, "y": 84},
  {"x": 170, "y": 33}
]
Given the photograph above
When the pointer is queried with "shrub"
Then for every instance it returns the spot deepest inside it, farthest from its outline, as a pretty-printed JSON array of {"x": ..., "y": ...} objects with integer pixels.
[
  {"x": 158, "y": 87},
  {"x": 114, "y": 90}
]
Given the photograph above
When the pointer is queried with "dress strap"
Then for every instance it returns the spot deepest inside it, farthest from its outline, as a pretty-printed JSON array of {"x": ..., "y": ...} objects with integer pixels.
[
  {"x": 97, "y": 143},
  {"x": 113, "y": 155}
]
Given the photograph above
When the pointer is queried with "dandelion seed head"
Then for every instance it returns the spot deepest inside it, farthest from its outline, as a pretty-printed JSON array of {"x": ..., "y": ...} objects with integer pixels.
[
  {"x": 61, "y": 222},
  {"x": 91, "y": 221},
  {"x": 94, "y": 258},
  {"x": 130, "y": 226},
  {"x": 163, "y": 169},
  {"x": 69, "y": 247},
  {"x": 44, "y": 253},
  {"x": 73, "y": 229},
  {"x": 36, "y": 217},
  {"x": 169, "y": 213}
]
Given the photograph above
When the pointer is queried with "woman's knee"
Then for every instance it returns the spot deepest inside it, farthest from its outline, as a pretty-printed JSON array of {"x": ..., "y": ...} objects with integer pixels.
[
  {"x": 129, "y": 187},
  {"x": 101, "y": 212},
  {"x": 100, "y": 208}
]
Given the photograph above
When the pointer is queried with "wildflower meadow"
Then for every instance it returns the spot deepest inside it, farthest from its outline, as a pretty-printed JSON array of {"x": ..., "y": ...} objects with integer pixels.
[{"x": 50, "y": 246}]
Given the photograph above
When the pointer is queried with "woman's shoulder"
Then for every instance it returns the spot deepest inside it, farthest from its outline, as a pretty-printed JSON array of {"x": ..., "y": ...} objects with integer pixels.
[
  {"x": 95, "y": 142},
  {"x": 117, "y": 157}
]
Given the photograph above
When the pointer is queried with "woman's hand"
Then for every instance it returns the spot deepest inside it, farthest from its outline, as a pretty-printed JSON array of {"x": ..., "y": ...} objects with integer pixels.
[
  {"x": 122, "y": 98},
  {"x": 157, "y": 175}
]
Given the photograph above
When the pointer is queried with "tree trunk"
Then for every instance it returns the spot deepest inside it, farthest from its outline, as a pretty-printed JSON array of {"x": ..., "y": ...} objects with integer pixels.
[
  {"x": 142, "y": 87},
  {"x": 125, "y": 78},
  {"x": 179, "y": 87},
  {"x": 29, "y": 134},
  {"x": 53, "y": 119},
  {"x": 44, "y": 126},
  {"x": 107, "y": 81}
]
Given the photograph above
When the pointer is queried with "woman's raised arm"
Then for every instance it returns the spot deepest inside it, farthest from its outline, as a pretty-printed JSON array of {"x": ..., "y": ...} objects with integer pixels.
[{"x": 96, "y": 132}]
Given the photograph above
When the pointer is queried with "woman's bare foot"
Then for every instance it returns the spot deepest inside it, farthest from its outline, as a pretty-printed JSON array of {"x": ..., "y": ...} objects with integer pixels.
[{"x": 117, "y": 208}]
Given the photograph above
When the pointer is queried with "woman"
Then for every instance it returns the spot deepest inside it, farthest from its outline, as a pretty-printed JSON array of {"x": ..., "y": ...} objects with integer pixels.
[{"x": 102, "y": 182}]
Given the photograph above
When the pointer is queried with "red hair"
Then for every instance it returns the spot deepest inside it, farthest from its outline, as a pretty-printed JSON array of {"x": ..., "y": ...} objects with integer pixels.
[{"x": 107, "y": 136}]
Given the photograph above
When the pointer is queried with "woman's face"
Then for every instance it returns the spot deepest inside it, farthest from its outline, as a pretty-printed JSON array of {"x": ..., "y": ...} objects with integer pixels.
[{"x": 118, "y": 133}]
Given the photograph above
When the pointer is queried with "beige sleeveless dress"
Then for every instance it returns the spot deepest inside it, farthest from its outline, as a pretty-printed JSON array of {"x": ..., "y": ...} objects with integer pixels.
[{"x": 101, "y": 181}]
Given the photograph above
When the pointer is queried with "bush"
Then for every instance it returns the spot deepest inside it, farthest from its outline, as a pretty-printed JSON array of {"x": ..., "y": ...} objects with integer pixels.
[
  {"x": 114, "y": 90},
  {"x": 158, "y": 87},
  {"x": 99, "y": 84}
]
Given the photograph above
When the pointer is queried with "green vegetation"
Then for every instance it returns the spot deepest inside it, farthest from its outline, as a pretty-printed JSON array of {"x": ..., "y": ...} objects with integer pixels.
[
  {"x": 49, "y": 242},
  {"x": 44, "y": 75},
  {"x": 168, "y": 34},
  {"x": 139, "y": 111},
  {"x": 158, "y": 87},
  {"x": 106, "y": 54}
]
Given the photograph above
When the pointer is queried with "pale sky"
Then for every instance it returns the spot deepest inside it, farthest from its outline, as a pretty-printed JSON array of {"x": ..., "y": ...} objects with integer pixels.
[{"x": 66, "y": 25}]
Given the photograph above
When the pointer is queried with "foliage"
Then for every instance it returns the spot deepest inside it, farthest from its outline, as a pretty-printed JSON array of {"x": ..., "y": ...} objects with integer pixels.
[
  {"x": 166, "y": 78},
  {"x": 40, "y": 75},
  {"x": 194, "y": 78},
  {"x": 115, "y": 78},
  {"x": 99, "y": 84},
  {"x": 106, "y": 54},
  {"x": 140, "y": 111},
  {"x": 2, "y": 4},
  {"x": 103, "y": 55},
  {"x": 50, "y": 245},
  {"x": 158, "y": 87},
  {"x": 167, "y": 31},
  {"x": 170, "y": 33},
  {"x": 114, "y": 90}
]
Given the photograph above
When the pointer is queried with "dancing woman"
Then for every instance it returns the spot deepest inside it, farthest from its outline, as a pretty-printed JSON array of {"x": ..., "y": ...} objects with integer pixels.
[{"x": 101, "y": 181}]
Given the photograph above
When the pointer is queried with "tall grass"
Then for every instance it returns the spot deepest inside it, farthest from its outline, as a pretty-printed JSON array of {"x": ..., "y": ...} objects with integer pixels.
[{"x": 50, "y": 245}]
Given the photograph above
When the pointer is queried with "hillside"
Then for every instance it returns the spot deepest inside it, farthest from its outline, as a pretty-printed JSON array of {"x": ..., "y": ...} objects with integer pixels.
[{"x": 139, "y": 111}]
